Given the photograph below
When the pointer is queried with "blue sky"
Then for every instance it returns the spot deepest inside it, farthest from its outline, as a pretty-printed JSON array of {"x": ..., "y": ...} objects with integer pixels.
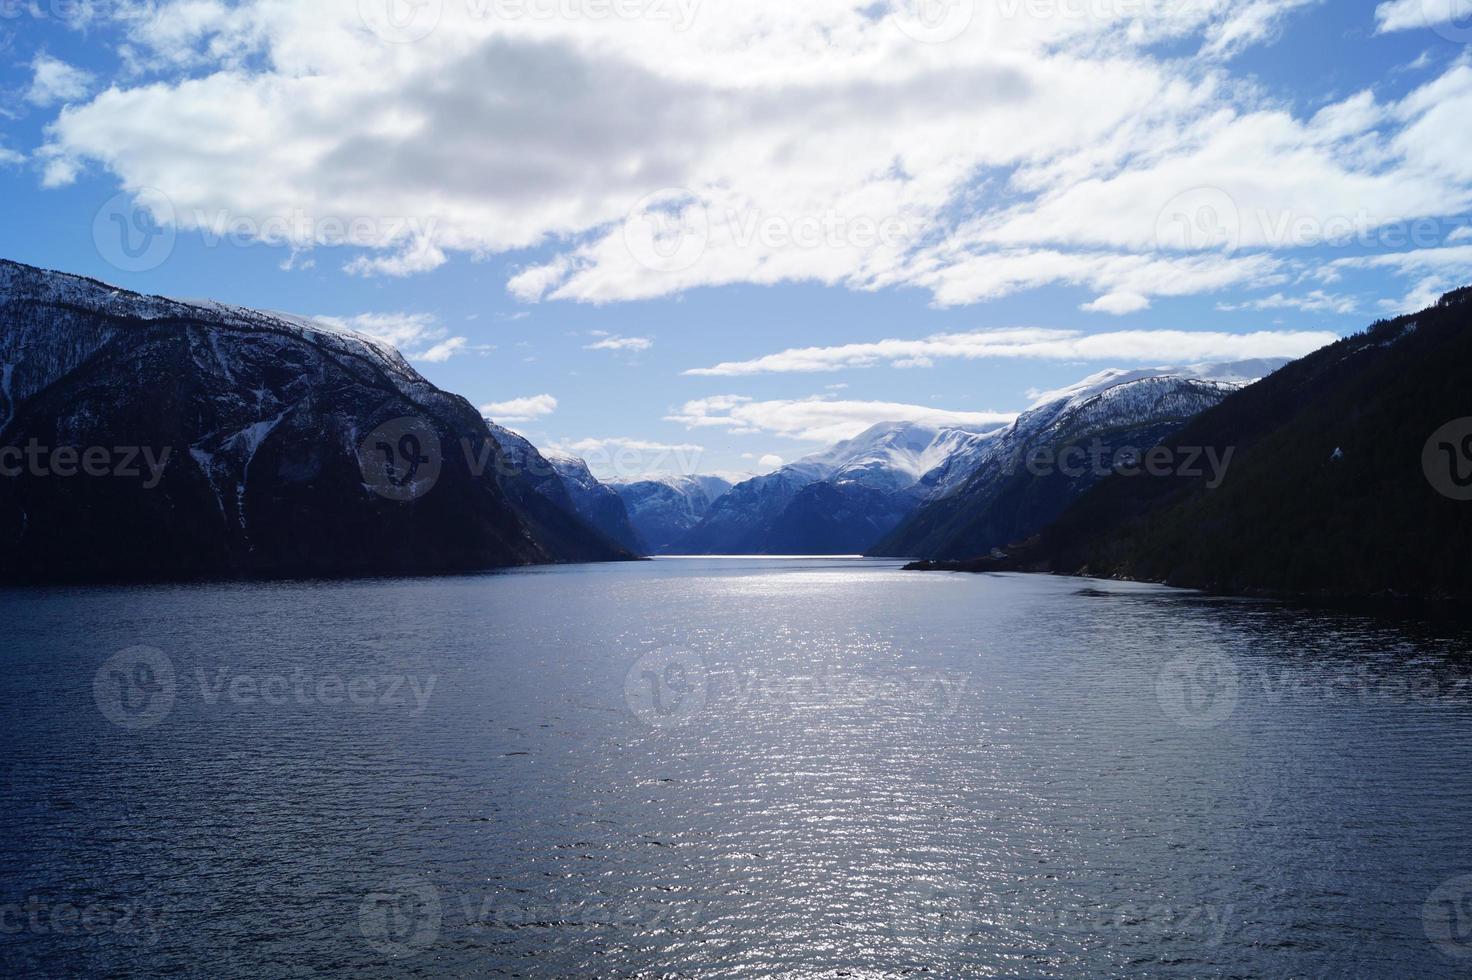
[{"x": 1015, "y": 193}]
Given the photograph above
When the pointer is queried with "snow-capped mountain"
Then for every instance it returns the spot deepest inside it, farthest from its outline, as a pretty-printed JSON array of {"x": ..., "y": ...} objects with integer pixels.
[
  {"x": 567, "y": 482},
  {"x": 887, "y": 459},
  {"x": 998, "y": 498},
  {"x": 862, "y": 494},
  {"x": 283, "y": 447},
  {"x": 596, "y": 502},
  {"x": 663, "y": 509}
]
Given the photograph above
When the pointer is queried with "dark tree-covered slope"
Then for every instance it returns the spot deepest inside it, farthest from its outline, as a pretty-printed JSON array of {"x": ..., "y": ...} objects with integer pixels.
[
  {"x": 1349, "y": 478},
  {"x": 280, "y": 448}
]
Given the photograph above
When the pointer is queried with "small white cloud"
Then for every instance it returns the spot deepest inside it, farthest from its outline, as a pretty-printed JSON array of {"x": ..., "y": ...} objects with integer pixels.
[
  {"x": 819, "y": 419},
  {"x": 10, "y": 158},
  {"x": 418, "y": 336},
  {"x": 1404, "y": 15},
  {"x": 616, "y": 343},
  {"x": 1142, "y": 346},
  {"x": 1118, "y": 304},
  {"x": 443, "y": 351},
  {"x": 520, "y": 409},
  {"x": 770, "y": 462},
  {"x": 56, "y": 81},
  {"x": 420, "y": 255},
  {"x": 1316, "y": 301}
]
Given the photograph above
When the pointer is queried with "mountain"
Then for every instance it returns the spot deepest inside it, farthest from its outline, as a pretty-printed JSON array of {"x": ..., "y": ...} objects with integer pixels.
[
  {"x": 143, "y": 437},
  {"x": 1022, "y": 477},
  {"x": 596, "y": 502},
  {"x": 664, "y": 509},
  {"x": 568, "y": 483},
  {"x": 871, "y": 483},
  {"x": 1351, "y": 476}
]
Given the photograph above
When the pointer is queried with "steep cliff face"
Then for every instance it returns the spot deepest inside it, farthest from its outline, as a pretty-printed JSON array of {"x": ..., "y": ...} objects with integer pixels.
[
  {"x": 1026, "y": 475},
  {"x": 596, "y": 502},
  {"x": 142, "y": 437},
  {"x": 664, "y": 509},
  {"x": 1351, "y": 476},
  {"x": 847, "y": 496}
]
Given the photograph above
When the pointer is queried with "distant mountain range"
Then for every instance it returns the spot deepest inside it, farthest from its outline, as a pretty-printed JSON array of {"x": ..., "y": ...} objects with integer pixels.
[
  {"x": 905, "y": 489},
  {"x": 143, "y": 437},
  {"x": 1351, "y": 476},
  {"x": 839, "y": 501},
  {"x": 664, "y": 509},
  {"x": 1022, "y": 477}
]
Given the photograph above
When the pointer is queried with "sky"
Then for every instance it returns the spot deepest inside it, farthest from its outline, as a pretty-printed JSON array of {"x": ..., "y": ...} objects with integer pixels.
[{"x": 694, "y": 235}]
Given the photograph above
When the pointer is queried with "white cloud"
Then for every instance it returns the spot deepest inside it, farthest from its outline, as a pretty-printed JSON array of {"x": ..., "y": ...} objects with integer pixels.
[
  {"x": 520, "y": 409},
  {"x": 1433, "y": 271},
  {"x": 617, "y": 343},
  {"x": 418, "y": 336},
  {"x": 10, "y": 158},
  {"x": 619, "y": 443},
  {"x": 1402, "y": 15},
  {"x": 1314, "y": 301},
  {"x": 1118, "y": 304},
  {"x": 771, "y": 461},
  {"x": 626, "y": 460},
  {"x": 818, "y": 419},
  {"x": 1030, "y": 150},
  {"x": 55, "y": 81},
  {"x": 1140, "y": 346},
  {"x": 443, "y": 351}
]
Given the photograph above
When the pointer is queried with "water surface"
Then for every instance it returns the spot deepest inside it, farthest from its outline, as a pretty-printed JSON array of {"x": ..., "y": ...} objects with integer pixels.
[{"x": 718, "y": 768}]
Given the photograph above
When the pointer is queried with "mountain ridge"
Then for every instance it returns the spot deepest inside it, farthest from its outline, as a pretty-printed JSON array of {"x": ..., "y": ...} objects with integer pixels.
[{"x": 280, "y": 462}]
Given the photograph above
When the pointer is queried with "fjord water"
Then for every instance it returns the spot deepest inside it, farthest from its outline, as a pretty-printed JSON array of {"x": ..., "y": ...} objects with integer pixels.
[{"x": 704, "y": 768}]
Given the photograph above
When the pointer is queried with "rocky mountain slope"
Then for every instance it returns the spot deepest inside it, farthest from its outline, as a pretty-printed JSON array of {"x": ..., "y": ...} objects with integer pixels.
[
  {"x": 1351, "y": 477},
  {"x": 280, "y": 447},
  {"x": 1027, "y": 474},
  {"x": 664, "y": 509},
  {"x": 872, "y": 479}
]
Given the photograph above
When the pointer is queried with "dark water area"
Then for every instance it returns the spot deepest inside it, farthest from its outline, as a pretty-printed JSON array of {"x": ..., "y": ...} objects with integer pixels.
[{"x": 729, "y": 768}]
